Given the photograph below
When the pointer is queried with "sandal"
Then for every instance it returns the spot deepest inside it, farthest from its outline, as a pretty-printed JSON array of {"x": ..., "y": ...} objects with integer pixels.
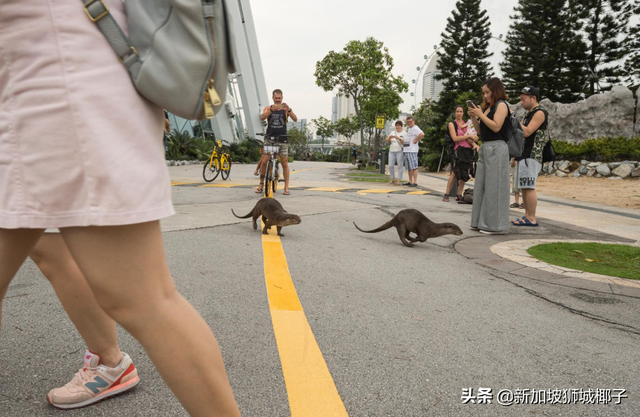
[
  {"x": 459, "y": 198},
  {"x": 286, "y": 193},
  {"x": 445, "y": 198},
  {"x": 521, "y": 206},
  {"x": 256, "y": 173},
  {"x": 514, "y": 205},
  {"x": 524, "y": 222},
  {"x": 259, "y": 190}
]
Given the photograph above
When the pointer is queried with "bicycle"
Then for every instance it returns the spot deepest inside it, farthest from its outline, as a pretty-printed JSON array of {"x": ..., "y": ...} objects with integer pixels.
[
  {"x": 272, "y": 175},
  {"x": 218, "y": 163}
]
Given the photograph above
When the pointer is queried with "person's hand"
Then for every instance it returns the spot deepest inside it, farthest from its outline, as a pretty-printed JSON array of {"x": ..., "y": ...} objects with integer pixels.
[
  {"x": 473, "y": 111},
  {"x": 286, "y": 107},
  {"x": 474, "y": 138}
]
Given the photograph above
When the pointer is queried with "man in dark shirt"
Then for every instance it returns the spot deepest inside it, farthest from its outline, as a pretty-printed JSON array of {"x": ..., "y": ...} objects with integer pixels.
[
  {"x": 276, "y": 116},
  {"x": 529, "y": 164}
]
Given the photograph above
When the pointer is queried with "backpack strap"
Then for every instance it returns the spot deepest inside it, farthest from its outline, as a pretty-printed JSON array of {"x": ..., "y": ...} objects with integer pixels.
[{"x": 99, "y": 14}]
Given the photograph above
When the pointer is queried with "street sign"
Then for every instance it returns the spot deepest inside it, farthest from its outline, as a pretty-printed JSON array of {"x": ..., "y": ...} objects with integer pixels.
[{"x": 379, "y": 121}]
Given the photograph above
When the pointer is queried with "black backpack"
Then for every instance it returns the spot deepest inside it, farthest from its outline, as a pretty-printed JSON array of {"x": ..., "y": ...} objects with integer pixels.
[
  {"x": 448, "y": 140},
  {"x": 548, "y": 153}
]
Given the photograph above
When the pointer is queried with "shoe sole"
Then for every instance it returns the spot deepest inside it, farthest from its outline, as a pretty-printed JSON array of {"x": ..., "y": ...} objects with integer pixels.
[
  {"x": 119, "y": 389},
  {"x": 486, "y": 232}
]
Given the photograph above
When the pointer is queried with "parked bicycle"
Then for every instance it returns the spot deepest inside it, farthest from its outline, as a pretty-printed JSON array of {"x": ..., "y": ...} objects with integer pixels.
[
  {"x": 272, "y": 149},
  {"x": 219, "y": 163}
]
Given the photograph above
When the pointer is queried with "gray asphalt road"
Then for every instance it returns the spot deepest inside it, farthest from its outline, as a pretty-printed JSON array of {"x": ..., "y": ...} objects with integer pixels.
[{"x": 402, "y": 330}]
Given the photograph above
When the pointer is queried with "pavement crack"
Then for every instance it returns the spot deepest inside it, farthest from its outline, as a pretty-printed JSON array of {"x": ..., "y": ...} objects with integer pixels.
[{"x": 618, "y": 326}]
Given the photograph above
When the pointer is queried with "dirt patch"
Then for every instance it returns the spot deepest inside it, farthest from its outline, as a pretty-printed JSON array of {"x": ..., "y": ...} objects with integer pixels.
[{"x": 618, "y": 193}]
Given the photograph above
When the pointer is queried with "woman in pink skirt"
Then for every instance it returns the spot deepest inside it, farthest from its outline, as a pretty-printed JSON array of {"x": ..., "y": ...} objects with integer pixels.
[{"x": 80, "y": 150}]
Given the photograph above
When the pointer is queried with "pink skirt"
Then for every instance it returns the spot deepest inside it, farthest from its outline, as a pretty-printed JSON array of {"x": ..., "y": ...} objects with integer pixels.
[{"x": 78, "y": 145}]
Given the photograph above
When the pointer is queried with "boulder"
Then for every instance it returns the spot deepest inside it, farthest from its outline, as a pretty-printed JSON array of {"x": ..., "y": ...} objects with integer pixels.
[
  {"x": 636, "y": 172},
  {"x": 561, "y": 174},
  {"x": 603, "y": 170},
  {"x": 575, "y": 174},
  {"x": 623, "y": 171},
  {"x": 614, "y": 178},
  {"x": 584, "y": 162},
  {"x": 583, "y": 170},
  {"x": 598, "y": 175},
  {"x": 614, "y": 165},
  {"x": 591, "y": 172},
  {"x": 593, "y": 164},
  {"x": 573, "y": 166},
  {"x": 564, "y": 166},
  {"x": 551, "y": 169}
]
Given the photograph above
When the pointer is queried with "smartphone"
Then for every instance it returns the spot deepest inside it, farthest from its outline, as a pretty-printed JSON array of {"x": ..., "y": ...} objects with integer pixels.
[{"x": 470, "y": 104}]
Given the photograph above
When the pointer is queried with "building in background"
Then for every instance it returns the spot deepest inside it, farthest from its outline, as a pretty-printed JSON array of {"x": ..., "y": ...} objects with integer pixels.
[
  {"x": 345, "y": 108},
  {"x": 431, "y": 88},
  {"x": 334, "y": 112},
  {"x": 301, "y": 124}
]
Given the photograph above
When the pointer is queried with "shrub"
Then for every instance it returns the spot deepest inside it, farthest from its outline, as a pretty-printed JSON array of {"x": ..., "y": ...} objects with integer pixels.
[
  {"x": 430, "y": 161},
  {"x": 605, "y": 149}
]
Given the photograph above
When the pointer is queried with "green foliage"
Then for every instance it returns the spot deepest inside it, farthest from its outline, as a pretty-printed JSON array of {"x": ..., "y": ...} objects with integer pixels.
[
  {"x": 601, "y": 149},
  {"x": 362, "y": 71},
  {"x": 632, "y": 63},
  {"x": 247, "y": 151},
  {"x": 545, "y": 49},
  {"x": 298, "y": 142},
  {"x": 324, "y": 127},
  {"x": 201, "y": 149},
  {"x": 606, "y": 27},
  {"x": 347, "y": 127}
]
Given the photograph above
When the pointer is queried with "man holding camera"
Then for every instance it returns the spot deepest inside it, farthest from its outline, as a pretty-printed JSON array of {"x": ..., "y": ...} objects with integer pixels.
[{"x": 277, "y": 116}]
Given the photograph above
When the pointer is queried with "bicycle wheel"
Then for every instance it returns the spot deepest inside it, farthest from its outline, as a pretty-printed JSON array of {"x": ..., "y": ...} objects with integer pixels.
[
  {"x": 268, "y": 178},
  {"x": 225, "y": 166},
  {"x": 211, "y": 170},
  {"x": 276, "y": 177}
]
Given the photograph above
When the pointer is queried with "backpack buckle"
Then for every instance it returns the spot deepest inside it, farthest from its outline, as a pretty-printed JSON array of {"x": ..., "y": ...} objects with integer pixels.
[{"x": 102, "y": 13}]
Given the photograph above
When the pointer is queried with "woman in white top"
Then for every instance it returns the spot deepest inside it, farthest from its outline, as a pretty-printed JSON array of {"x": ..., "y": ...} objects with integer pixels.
[{"x": 396, "y": 139}]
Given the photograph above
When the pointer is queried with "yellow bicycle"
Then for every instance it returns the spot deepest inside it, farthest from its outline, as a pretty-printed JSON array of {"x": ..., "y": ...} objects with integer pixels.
[{"x": 218, "y": 163}]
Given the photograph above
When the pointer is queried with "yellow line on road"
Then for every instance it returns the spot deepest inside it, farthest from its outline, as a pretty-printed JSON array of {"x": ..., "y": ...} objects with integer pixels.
[
  {"x": 418, "y": 192},
  {"x": 182, "y": 183},
  {"x": 310, "y": 387},
  {"x": 377, "y": 191},
  {"x": 329, "y": 189},
  {"x": 222, "y": 185}
]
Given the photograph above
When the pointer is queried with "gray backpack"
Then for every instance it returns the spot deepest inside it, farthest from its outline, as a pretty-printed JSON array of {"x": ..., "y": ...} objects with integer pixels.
[
  {"x": 178, "y": 53},
  {"x": 514, "y": 136}
]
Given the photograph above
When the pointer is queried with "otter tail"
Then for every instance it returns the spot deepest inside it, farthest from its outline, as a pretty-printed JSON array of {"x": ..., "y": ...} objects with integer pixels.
[
  {"x": 242, "y": 217},
  {"x": 385, "y": 226}
]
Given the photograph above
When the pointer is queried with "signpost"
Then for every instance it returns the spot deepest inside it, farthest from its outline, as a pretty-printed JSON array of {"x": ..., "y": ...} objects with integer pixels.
[{"x": 379, "y": 121}]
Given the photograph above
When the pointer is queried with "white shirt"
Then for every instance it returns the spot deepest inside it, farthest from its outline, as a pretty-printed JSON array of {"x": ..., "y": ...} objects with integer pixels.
[
  {"x": 412, "y": 134},
  {"x": 395, "y": 145}
]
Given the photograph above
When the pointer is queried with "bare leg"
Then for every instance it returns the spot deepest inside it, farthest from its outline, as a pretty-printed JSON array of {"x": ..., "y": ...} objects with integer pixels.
[
  {"x": 126, "y": 269},
  {"x": 450, "y": 182},
  {"x": 460, "y": 187},
  {"x": 15, "y": 245},
  {"x": 285, "y": 171},
  {"x": 530, "y": 200},
  {"x": 517, "y": 197},
  {"x": 96, "y": 328}
]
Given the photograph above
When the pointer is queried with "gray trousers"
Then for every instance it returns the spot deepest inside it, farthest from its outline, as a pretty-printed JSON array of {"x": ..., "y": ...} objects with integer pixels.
[
  {"x": 393, "y": 157},
  {"x": 491, "y": 189}
]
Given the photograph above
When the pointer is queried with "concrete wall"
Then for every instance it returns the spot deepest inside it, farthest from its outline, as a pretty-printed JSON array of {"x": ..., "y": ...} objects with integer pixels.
[{"x": 607, "y": 114}]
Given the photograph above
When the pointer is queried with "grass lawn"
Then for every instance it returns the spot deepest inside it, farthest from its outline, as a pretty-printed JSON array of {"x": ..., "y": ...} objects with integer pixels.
[
  {"x": 367, "y": 177},
  {"x": 607, "y": 259}
]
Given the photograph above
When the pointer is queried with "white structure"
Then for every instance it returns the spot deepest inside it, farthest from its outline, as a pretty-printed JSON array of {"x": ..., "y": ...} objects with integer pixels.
[
  {"x": 431, "y": 88},
  {"x": 346, "y": 108},
  {"x": 301, "y": 124}
]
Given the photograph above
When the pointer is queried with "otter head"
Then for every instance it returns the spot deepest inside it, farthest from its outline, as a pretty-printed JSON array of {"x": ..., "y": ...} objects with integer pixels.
[
  {"x": 291, "y": 219},
  {"x": 450, "y": 229}
]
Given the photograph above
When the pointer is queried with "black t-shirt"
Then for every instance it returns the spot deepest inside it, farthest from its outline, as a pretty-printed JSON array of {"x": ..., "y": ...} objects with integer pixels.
[
  {"x": 277, "y": 123},
  {"x": 488, "y": 135},
  {"x": 530, "y": 140}
]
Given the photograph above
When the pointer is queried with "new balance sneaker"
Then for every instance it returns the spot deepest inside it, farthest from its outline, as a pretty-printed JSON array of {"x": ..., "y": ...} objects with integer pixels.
[{"x": 95, "y": 382}]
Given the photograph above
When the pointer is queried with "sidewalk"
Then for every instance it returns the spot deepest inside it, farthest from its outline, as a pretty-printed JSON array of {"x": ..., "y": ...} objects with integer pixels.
[{"x": 560, "y": 219}]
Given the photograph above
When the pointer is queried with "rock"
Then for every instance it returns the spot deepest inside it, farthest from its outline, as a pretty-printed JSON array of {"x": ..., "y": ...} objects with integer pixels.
[
  {"x": 591, "y": 172},
  {"x": 583, "y": 170},
  {"x": 603, "y": 170},
  {"x": 551, "y": 168},
  {"x": 636, "y": 172},
  {"x": 614, "y": 178},
  {"x": 614, "y": 165},
  {"x": 564, "y": 166},
  {"x": 561, "y": 174},
  {"x": 584, "y": 162},
  {"x": 593, "y": 164},
  {"x": 573, "y": 166},
  {"x": 575, "y": 174},
  {"x": 623, "y": 171},
  {"x": 598, "y": 176}
]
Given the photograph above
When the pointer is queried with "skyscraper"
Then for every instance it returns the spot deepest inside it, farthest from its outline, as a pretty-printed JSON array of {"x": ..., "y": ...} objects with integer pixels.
[
  {"x": 345, "y": 108},
  {"x": 431, "y": 88}
]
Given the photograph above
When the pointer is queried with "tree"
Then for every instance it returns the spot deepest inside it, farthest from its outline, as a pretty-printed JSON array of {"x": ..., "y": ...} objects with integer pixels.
[
  {"x": 605, "y": 25},
  {"x": 632, "y": 64},
  {"x": 381, "y": 101},
  {"x": 347, "y": 127},
  {"x": 324, "y": 128},
  {"x": 298, "y": 140},
  {"x": 544, "y": 49},
  {"x": 464, "y": 64},
  {"x": 361, "y": 69}
]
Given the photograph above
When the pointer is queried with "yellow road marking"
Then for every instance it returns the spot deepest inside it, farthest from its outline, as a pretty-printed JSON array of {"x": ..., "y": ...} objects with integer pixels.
[
  {"x": 330, "y": 189},
  {"x": 310, "y": 387},
  {"x": 182, "y": 183},
  {"x": 377, "y": 191},
  {"x": 418, "y": 192},
  {"x": 222, "y": 185}
]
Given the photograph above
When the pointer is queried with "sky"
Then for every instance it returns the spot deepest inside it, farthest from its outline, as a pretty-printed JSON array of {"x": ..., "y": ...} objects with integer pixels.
[{"x": 294, "y": 35}]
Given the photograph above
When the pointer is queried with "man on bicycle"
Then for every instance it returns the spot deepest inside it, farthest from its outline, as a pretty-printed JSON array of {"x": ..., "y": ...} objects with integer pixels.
[{"x": 277, "y": 116}]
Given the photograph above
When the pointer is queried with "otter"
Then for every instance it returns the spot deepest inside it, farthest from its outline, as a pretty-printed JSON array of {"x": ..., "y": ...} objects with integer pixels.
[
  {"x": 273, "y": 214},
  {"x": 412, "y": 221}
]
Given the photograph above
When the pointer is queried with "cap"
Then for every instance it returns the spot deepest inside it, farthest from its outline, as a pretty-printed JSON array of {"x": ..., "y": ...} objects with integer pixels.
[{"x": 532, "y": 91}]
